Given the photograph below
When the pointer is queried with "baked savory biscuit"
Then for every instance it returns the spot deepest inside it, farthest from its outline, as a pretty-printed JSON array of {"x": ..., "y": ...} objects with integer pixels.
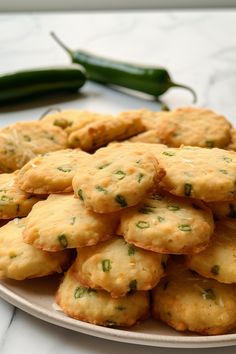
[
  {"x": 20, "y": 261},
  {"x": 21, "y": 141},
  {"x": 195, "y": 127},
  {"x": 62, "y": 222},
  {"x": 50, "y": 173},
  {"x": 186, "y": 301},
  {"x": 167, "y": 224},
  {"x": 116, "y": 177},
  {"x": 195, "y": 172},
  {"x": 103, "y": 131},
  {"x": 72, "y": 119},
  {"x": 218, "y": 261},
  {"x": 118, "y": 267},
  {"x": 98, "y": 307},
  {"x": 13, "y": 201}
]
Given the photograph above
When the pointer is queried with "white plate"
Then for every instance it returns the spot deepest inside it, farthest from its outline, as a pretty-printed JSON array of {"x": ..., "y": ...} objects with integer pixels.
[{"x": 36, "y": 298}]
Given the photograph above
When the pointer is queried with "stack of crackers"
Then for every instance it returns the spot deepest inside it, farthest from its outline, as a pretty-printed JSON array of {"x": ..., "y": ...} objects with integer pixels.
[{"x": 138, "y": 210}]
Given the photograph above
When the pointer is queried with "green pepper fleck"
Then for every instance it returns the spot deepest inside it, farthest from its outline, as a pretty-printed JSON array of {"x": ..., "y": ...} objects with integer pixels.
[
  {"x": 72, "y": 220},
  {"x": 187, "y": 189},
  {"x": 173, "y": 207},
  {"x": 62, "y": 123},
  {"x": 101, "y": 189},
  {"x": 13, "y": 256},
  {"x": 64, "y": 169},
  {"x": 215, "y": 269},
  {"x": 120, "y": 174},
  {"x": 5, "y": 198},
  {"x": 104, "y": 165},
  {"x": 80, "y": 194},
  {"x": 210, "y": 143},
  {"x": 63, "y": 240},
  {"x": 121, "y": 200},
  {"x": 27, "y": 137},
  {"x": 160, "y": 218},
  {"x": 227, "y": 159},
  {"x": 80, "y": 291},
  {"x": 208, "y": 294},
  {"x": 168, "y": 153},
  {"x": 184, "y": 227},
  {"x": 224, "y": 172},
  {"x": 142, "y": 224},
  {"x": 133, "y": 285},
  {"x": 131, "y": 250},
  {"x": 106, "y": 265},
  {"x": 140, "y": 177}
]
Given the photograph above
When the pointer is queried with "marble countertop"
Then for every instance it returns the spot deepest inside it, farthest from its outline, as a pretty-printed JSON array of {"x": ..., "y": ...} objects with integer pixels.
[{"x": 198, "y": 48}]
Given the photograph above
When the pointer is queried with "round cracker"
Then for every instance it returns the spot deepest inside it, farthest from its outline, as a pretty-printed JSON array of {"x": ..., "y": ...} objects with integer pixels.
[
  {"x": 218, "y": 261},
  {"x": 62, "y": 222},
  {"x": 194, "y": 127},
  {"x": 21, "y": 261},
  {"x": 118, "y": 267},
  {"x": 167, "y": 224},
  {"x": 98, "y": 307},
  {"x": 116, "y": 177},
  {"x": 186, "y": 301},
  {"x": 22, "y": 141},
  {"x": 50, "y": 173},
  {"x": 13, "y": 201}
]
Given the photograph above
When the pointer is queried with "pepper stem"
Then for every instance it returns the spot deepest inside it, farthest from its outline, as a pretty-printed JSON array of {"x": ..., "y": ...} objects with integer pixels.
[
  {"x": 61, "y": 44},
  {"x": 187, "y": 88}
]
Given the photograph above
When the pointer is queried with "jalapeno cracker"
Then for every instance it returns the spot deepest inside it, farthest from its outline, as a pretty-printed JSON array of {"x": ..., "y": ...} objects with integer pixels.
[
  {"x": 62, "y": 222},
  {"x": 98, "y": 307},
  {"x": 118, "y": 267},
  {"x": 116, "y": 177},
  {"x": 21, "y": 261},
  {"x": 187, "y": 301},
  {"x": 13, "y": 201},
  {"x": 22, "y": 141},
  {"x": 50, "y": 173},
  {"x": 194, "y": 126},
  {"x": 218, "y": 261},
  {"x": 167, "y": 224}
]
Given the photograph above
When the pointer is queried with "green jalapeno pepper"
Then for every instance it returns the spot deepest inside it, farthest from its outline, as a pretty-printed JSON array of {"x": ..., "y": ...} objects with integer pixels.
[
  {"x": 21, "y": 85},
  {"x": 151, "y": 80}
]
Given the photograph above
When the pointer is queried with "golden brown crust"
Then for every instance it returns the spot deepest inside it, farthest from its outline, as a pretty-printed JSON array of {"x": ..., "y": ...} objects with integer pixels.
[
  {"x": 116, "y": 177},
  {"x": 21, "y": 261},
  {"x": 103, "y": 131},
  {"x": 118, "y": 267},
  {"x": 13, "y": 201},
  {"x": 22, "y": 141},
  {"x": 50, "y": 173},
  {"x": 167, "y": 224},
  {"x": 194, "y": 127},
  {"x": 186, "y": 301},
  {"x": 98, "y": 307},
  {"x": 62, "y": 222}
]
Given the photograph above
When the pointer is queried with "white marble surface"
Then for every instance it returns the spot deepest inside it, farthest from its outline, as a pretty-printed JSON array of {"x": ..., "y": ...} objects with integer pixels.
[{"x": 198, "y": 48}]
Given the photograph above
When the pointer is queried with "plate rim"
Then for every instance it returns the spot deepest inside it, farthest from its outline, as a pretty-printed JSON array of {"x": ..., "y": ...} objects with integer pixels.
[{"x": 156, "y": 340}]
